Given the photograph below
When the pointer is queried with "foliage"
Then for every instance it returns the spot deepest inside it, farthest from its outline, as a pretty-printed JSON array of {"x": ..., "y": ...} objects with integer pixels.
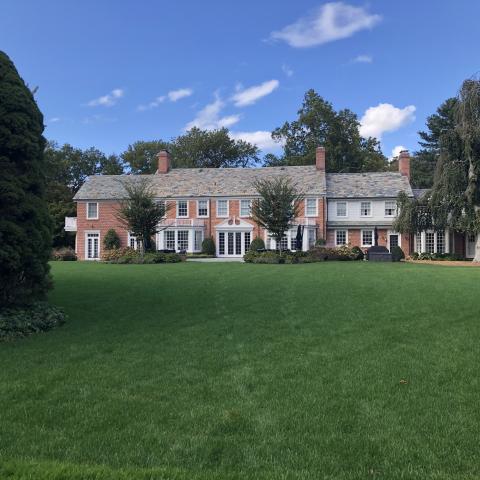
[
  {"x": 65, "y": 254},
  {"x": 208, "y": 246},
  {"x": 342, "y": 253},
  {"x": 319, "y": 124},
  {"x": 275, "y": 257},
  {"x": 23, "y": 321},
  {"x": 357, "y": 253},
  {"x": 116, "y": 253},
  {"x": 140, "y": 213},
  {"x": 128, "y": 255},
  {"x": 397, "y": 254},
  {"x": 257, "y": 244},
  {"x": 277, "y": 206},
  {"x": 25, "y": 225},
  {"x": 141, "y": 156},
  {"x": 320, "y": 242},
  {"x": 437, "y": 256},
  {"x": 111, "y": 240},
  {"x": 414, "y": 215}
]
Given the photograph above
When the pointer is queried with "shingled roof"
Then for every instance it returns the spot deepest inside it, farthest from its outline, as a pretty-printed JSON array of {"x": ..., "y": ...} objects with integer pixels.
[
  {"x": 203, "y": 182},
  {"x": 367, "y": 185}
]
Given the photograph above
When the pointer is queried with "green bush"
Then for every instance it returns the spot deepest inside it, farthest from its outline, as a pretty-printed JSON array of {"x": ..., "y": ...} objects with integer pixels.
[
  {"x": 397, "y": 254},
  {"x": 453, "y": 257},
  {"x": 414, "y": 255},
  {"x": 257, "y": 244},
  {"x": 321, "y": 242},
  {"x": 358, "y": 254},
  {"x": 208, "y": 246},
  {"x": 129, "y": 256},
  {"x": 64, "y": 254},
  {"x": 111, "y": 240},
  {"x": 274, "y": 257},
  {"x": 22, "y": 321},
  {"x": 117, "y": 253}
]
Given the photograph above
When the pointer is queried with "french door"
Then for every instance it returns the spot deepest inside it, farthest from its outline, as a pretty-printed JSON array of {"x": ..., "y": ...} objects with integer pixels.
[
  {"x": 233, "y": 244},
  {"x": 470, "y": 245},
  {"x": 92, "y": 243}
]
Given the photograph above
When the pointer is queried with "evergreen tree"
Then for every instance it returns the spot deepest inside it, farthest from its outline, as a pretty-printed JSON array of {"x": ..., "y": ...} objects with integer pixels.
[{"x": 25, "y": 236}]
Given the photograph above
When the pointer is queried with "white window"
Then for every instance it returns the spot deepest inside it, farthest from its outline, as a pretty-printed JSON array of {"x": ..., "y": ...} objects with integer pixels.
[
  {"x": 92, "y": 210},
  {"x": 221, "y": 243},
  {"x": 341, "y": 209},
  {"x": 390, "y": 208},
  {"x": 198, "y": 240},
  {"x": 222, "y": 208},
  {"x": 182, "y": 240},
  {"x": 284, "y": 243},
  {"x": 245, "y": 206},
  {"x": 182, "y": 208},
  {"x": 440, "y": 241},
  {"x": 430, "y": 242},
  {"x": 311, "y": 237},
  {"x": 365, "y": 209},
  {"x": 169, "y": 239},
  {"x": 92, "y": 246},
  {"x": 293, "y": 240},
  {"x": 367, "y": 238},
  {"x": 132, "y": 241},
  {"x": 341, "y": 237},
  {"x": 311, "y": 207},
  {"x": 418, "y": 242},
  {"x": 247, "y": 241},
  {"x": 202, "y": 208}
]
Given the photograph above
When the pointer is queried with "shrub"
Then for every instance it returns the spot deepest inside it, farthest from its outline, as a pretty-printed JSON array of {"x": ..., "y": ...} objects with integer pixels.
[
  {"x": 208, "y": 246},
  {"x": 453, "y": 257},
  {"x": 321, "y": 242},
  {"x": 111, "y": 240},
  {"x": 257, "y": 244},
  {"x": 129, "y": 255},
  {"x": 397, "y": 254},
  {"x": 414, "y": 255},
  {"x": 358, "y": 254},
  {"x": 22, "y": 321},
  {"x": 117, "y": 253},
  {"x": 65, "y": 254},
  {"x": 274, "y": 257}
]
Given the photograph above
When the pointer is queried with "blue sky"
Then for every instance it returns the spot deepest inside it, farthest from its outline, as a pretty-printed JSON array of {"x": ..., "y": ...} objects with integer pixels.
[{"x": 113, "y": 72}]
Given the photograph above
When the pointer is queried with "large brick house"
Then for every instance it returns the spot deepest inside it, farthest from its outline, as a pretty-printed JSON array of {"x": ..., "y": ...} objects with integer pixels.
[{"x": 341, "y": 208}]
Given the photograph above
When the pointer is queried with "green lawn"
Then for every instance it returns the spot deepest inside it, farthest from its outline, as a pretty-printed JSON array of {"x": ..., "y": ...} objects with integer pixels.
[{"x": 225, "y": 371}]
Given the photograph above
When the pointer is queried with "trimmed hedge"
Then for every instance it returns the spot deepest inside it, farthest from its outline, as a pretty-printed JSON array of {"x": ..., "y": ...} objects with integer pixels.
[
  {"x": 257, "y": 244},
  {"x": 453, "y": 257},
  {"x": 18, "y": 322},
  {"x": 397, "y": 254},
  {"x": 111, "y": 240},
  {"x": 208, "y": 246},
  {"x": 63, "y": 254},
  {"x": 128, "y": 255}
]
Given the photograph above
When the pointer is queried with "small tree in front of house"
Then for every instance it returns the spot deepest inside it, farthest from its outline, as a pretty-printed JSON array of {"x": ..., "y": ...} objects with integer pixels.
[
  {"x": 111, "y": 240},
  {"x": 140, "y": 213},
  {"x": 277, "y": 206}
]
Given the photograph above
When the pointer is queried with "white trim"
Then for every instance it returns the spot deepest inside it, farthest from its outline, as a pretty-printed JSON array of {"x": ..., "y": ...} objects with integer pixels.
[
  {"x": 346, "y": 209},
  {"x": 370, "y": 203},
  {"x": 306, "y": 206},
  {"x": 392, "y": 232},
  {"x": 372, "y": 231},
  {"x": 92, "y": 232},
  {"x": 249, "y": 200},
  {"x": 188, "y": 208},
  {"x": 228, "y": 207},
  {"x": 208, "y": 208},
  {"x": 92, "y": 203},
  {"x": 129, "y": 239},
  {"x": 385, "y": 209},
  {"x": 346, "y": 236}
]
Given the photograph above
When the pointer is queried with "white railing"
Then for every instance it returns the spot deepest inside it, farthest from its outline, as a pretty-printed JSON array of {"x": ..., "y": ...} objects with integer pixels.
[
  {"x": 70, "y": 224},
  {"x": 305, "y": 221},
  {"x": 182, "y": 222}
]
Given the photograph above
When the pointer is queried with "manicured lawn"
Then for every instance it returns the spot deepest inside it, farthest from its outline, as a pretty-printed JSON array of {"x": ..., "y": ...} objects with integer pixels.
[{"x": 223, "y": 371}]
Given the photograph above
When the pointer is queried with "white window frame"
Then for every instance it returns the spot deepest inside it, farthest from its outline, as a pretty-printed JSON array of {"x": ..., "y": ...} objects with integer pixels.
[
  {"x": 228, "y": 208},
  {"x": 370, "y": 208},
  {"x": 346, "y": 237},
  {"x": 306, "y": 207},
  {"x": 249, "y": 207},
  {"x": 88, "y": 211},
  {"x": 198, "y": 208},
  {"x": 372, "y": 231},
  {"x": 94, "y": 232},
  {"x": 130, "y": 238},
  {"x": 178, "y": 209},
  {"x": 346, "y": 209},
  {"x": 394, "y": 208}
]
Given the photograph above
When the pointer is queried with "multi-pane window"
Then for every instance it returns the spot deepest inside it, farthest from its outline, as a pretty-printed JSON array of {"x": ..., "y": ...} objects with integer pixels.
[
  {"x": 92, "y": 210},
  {"x": 221, "y": 243},
  {"x": 182, "y": 240},
  {"x": 311, "y": 237},
  {"x": 367, "y": 238},
  {"x": 93, "y": 251},
  {"x": 390, "y": 208},
  {"x": 132, "y": 241},
  {"x": 365, "y": 209},
  {"x": 284, "y": 243},
  {"x": 247, "y": 241},
  {"x": 341, "y": 209},
  {"x": 418, "y": 242},
  {"x": 169, "y": 236},
  {"x": 202, "y": 208},
  {"x": 430, "y": 242},
  {"x": 198, "y": 240},
  {"x": 340, "y": 237},
  {"x": 245, "y": 206},
  {"x": 222, "y": 208},
  {"x": 311, "y": 207},
  {"x": 441, "y": 241},
  {"x": 182, "y": 208},
  {"x": 293, "y": 240},
  {"x": 163, "y": 206}
]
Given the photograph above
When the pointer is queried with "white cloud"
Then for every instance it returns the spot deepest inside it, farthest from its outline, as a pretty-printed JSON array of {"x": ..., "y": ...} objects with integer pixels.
[
  {"x": 287, "y": 70},
  {"x": 153, "y": 104},
  {"x": 54, "y": 120},
  {"x": 363, "y": 59},
  {"x": 250, "y": 95},
  {"x": 385, "y": 118},
  {"x": 107, "y": 100},
  {"x": 332, "y": 21},
  {"x": 261, "y": 138},
  {"x": 209, "y": 117},
  {"x": 396, "y": 151},
  {"x": 175, "y": 95}
]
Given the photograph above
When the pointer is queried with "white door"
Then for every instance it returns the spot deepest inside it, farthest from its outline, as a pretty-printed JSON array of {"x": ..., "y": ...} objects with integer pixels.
[
  {"x": 470, "y": 245},
  {"x": 232, "y": 244},
  {"x": 92, "y": 246}
]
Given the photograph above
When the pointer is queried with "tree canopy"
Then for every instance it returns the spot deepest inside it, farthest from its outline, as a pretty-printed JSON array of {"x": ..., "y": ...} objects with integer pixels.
[
  {"x": 319, "y": 124},
  {"x": 25, "y": 237}
]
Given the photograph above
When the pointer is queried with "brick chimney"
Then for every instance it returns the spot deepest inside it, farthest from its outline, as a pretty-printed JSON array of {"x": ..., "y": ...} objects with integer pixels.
[
  {"x": 163, "y": 161},
  {"x": 320, "y": 158},
  {"x": 404, "y": 163}
]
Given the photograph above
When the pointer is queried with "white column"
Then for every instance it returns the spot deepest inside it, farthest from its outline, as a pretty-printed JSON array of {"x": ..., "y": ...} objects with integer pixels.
[
  {"x": 422, "y": 249},
  {"x": 447, "y": 240},
  {"x": 190, "y": 241}
]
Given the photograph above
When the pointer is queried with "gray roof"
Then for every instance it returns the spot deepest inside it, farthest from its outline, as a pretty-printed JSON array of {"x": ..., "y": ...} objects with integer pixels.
[
  {"x": 367, "y": 185},
  {"x": 419, "y": 192},
  {"x": 203, "y": 182}
]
